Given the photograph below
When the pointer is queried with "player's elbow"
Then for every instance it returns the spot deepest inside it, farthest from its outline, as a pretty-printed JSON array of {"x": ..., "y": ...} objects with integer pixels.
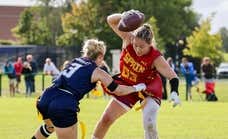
[
  {"x": 113, "y": 19},
  {"x": 110, "y": 19}
]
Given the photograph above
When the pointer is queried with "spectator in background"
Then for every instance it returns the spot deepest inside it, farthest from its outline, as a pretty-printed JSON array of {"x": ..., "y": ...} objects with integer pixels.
[
  {"x": 10, "y": 71},
  {"x": 28, "y": 76},
  {"x": 65, "y": 64},
  {"x": 208, "y": 74},
  {"x": 187, "y": 69},
  {"x": 50, "y": 68},
  {"x": 18, "y": 66},
  {"x": 33, "y": 65}
]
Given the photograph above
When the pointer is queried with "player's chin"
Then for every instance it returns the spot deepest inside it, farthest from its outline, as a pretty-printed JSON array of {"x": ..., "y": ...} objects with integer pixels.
[{"x": 139, "y": 53}]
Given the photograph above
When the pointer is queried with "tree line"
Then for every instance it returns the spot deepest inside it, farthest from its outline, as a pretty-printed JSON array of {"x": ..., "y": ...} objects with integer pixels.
[{"x": 69, "y": 24}]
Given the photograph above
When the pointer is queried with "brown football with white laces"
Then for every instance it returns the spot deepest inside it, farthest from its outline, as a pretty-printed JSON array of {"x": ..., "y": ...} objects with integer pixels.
[{"x": 131, "y": 20}]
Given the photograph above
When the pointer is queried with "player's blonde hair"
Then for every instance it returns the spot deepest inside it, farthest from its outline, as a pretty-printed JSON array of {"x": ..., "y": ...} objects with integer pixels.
[
  {"x": 145, "y": 33},
  {"x": 93, "y": 48}
]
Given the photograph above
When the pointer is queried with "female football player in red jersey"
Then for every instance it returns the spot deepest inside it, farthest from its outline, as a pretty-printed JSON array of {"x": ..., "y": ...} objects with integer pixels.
[{"x": 139, "y": 61}]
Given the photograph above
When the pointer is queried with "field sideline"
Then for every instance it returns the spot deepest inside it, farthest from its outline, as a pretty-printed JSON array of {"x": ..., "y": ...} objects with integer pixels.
[{"x": 192, "y": 120}]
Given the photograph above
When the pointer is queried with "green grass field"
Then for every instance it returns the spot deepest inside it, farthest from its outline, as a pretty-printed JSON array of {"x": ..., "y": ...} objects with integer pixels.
[{"x": 192, "y": 120}]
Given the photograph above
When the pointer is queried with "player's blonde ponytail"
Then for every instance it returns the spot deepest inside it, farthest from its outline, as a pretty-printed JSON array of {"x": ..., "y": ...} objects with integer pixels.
[{"x": 93, "y": 48}]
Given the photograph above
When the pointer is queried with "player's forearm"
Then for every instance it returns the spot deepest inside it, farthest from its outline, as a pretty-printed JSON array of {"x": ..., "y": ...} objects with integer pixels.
[
  {"x": 124, "y": 90},
  {"x": 114, "y": 19}
]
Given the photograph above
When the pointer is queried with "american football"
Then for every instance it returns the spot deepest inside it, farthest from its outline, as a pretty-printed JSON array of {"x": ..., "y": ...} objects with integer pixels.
[{"x": 130, "y": 20}]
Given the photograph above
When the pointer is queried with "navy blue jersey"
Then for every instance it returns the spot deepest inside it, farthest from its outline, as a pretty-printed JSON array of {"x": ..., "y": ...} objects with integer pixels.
[{"x": 76, "y": 77}]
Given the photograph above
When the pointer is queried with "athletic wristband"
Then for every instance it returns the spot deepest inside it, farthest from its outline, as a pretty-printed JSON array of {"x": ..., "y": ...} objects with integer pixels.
[
  {"x": 174, "y": 84},
  {"x": 112, "y": 86}
]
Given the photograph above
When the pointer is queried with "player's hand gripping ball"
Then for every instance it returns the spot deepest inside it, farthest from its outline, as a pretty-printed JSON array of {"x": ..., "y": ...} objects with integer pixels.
[{"x": 130, "y": 20}]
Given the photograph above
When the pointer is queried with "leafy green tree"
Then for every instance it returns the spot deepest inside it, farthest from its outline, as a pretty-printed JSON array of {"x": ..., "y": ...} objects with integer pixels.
[
  {"x": 224, "y": 34},
  {"x": 41, "y": 24},
  {"x": 29, "y": 30},
  {"x": 104, "y": 32},
  {"x": 24, "y": 25},
  {"x": 51, "y": 11},
  {"x": 78, "y": 24},
  {"x": 201, "y": 43},
  {"x": 174, "y": 18},
  {"x": 158, "y": 40}
]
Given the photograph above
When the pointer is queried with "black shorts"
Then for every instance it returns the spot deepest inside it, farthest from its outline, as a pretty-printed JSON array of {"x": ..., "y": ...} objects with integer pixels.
[{"x": 58, "y": 106}]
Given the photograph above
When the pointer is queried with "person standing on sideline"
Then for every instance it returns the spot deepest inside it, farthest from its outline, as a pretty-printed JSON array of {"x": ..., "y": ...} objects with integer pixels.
[
  {"x": 209, "y": 74},
  {"x": 18, "y": 66},
  {"x": 59, "y": 103},
  {"x": 28, "y": 77},
  {"x": 50, "y": 69},
  {"x": 33, "y": 65},
  {"x": 140, "y": 61},
  {"x": 10, "y": 71}
]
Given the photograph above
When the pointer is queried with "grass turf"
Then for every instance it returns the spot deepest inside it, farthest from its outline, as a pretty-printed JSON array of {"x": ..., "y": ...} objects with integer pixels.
[{"x": 192, "y": 120}]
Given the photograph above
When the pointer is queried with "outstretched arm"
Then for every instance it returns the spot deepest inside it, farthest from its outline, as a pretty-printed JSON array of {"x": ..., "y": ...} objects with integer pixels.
[{"x": 106, "y": 79}]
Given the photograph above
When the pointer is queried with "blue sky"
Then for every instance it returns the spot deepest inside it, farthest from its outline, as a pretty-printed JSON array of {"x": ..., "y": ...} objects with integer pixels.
[{"x": 203, "y": 7}]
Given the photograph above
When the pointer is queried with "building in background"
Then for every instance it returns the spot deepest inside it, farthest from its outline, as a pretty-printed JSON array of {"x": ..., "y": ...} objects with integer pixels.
[{"x": 9, "y": 16}]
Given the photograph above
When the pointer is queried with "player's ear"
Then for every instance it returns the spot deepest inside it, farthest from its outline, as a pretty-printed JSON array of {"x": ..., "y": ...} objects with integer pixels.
[{"x": 99, "y": 59}]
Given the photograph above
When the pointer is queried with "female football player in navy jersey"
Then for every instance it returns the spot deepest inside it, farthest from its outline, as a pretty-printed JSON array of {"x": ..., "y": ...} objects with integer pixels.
[{"x": 59, "y": 103}]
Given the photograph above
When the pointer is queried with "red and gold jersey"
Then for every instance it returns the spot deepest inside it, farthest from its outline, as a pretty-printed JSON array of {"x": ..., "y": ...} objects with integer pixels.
[{"x": 137, "y": 69}]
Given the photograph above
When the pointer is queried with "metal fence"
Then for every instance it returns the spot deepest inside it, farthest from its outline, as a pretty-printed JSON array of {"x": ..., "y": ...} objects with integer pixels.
[
  {"x": 41, "y": 82},
  {"x": 40, "y": 53}
]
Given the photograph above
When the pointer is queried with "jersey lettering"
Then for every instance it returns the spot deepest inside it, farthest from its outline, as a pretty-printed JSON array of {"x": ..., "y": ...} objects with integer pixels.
[
  {"x": 71, "y": 70},
  {"x": 126, "y": 73},
  {"x": 137, "y": 67}
]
